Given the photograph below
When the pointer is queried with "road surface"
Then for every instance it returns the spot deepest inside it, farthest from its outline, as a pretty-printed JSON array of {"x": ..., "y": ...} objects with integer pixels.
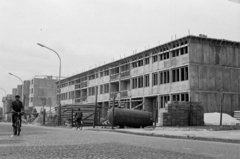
[{"x": 47, "y": 142}]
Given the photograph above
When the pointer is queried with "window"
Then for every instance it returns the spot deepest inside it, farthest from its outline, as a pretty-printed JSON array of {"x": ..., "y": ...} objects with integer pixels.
[
  {"x": 146, "y": 80},
  {"x": 180, "y": 74},
  {"x": 164, "y": 77},
  {"x": 101, "y": 89},
  {"x": 155, "y": 79},
  {"x": 106, "y": 88},
  {"x": 140, "y": 82},
  {"x": 155, "y": 58},
  {"x": 134, "y": 83},
  {"x": 91, "y": 91},
  {"x": 106, "y": 73},
  {"x": 31, "y": 90},
  {"x": 146, "y": 61},
  {"x": 180, "y": 97},
  {"x": 134, "y": 64},
  {"x": 101, "y": 74},
  {"x": 140, "y": 63},
  {"x": 163, "y": 100},
  {"x": 31, "y": 99}
]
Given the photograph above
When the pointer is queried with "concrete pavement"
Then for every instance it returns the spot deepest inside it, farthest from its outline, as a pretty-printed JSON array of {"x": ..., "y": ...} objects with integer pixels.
[
  {"x": 232, "y": 136},
  {"x": 51, "y": 142}
]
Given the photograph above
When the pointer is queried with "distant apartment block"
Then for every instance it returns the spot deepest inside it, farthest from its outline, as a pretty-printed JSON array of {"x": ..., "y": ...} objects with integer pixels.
[
  {"x": 42, "y": 91},
  {"x": 192, "y": 68}
]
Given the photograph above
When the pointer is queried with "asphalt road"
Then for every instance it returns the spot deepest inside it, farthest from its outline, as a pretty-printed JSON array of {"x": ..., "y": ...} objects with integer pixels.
[{"x": 47, "y": 142}]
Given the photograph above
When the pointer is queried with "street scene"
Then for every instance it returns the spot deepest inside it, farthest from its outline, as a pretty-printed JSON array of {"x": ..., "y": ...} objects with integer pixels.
[
  {"x": 48, "y": 142},
  {"x": 120, "y": 79}
]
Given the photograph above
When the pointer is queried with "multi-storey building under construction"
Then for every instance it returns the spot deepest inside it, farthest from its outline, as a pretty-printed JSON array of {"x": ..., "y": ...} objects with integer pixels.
[{"x": 192, "y": 68}]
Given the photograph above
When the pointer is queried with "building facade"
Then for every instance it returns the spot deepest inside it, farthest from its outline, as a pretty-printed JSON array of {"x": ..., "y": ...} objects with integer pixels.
[
  {"x": 42, "y": 92},
  {"x": 192, "y": 68}
]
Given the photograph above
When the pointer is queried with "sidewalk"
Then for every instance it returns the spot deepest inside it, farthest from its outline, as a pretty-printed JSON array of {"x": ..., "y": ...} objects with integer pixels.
[{"x": 194, "y": 133}]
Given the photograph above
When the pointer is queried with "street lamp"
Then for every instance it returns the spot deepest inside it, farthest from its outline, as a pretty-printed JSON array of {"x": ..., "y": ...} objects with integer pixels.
[
  {"x": 59, "y": 86},
  {"x": 16, "y": 76},
  {"x": 4, "y": 91}
]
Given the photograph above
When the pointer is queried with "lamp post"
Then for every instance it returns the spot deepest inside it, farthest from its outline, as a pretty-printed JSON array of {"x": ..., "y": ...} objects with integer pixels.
[
  {"x": 59, "y": 79},
  {"x": 16, "y": 76},
  {"x": 4, "y": 91}
]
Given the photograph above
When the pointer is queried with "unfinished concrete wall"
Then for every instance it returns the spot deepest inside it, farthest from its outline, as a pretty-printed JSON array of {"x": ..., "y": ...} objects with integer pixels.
[
  {"x": 19, "y": 91},
  {"x": 215, "y": 76},
  {"x": 25, "y": 94},
  {"x": 44, "y": 88},
  {"x": 14, "y": 91}
]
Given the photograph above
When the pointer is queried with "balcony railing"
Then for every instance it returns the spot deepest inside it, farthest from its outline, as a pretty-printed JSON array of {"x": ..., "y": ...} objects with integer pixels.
[
  {"x": 125, "y": 74},
  {"x": 84, "y": 84},
  {"x": 114, "y": 77},
  {"x": 113, "y": 94},
  {"x": 124, "y": 93}
]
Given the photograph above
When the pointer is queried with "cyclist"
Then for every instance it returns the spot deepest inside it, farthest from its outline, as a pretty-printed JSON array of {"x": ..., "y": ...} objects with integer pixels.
[
  {"x": 17, "y": 107},
  {"x": 78, "y": 118}
]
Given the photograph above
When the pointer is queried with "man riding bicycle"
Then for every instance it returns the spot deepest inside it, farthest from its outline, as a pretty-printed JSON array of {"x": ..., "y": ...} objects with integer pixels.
[
  {"x": 17, "y": 107},
  {"x": 78, "y": 118}
]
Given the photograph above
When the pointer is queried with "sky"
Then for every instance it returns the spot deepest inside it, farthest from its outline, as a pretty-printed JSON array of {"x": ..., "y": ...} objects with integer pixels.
[{"x": 89, "y": 33}]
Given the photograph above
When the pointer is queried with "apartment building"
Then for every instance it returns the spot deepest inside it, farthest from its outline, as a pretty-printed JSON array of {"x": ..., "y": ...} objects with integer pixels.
[
  {"x": 42, "y": 91},
  {"x": 191, "y": 68}
]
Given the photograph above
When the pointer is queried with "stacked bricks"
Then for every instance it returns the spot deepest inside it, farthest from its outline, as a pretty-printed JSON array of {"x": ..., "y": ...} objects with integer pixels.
[{"x": 182, "y": 114}]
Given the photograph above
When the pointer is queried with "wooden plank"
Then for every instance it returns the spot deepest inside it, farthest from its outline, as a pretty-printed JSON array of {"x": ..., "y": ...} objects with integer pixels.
[
  {"x": 212, "y": 107},
  {"x": 192, "y": 52},
  {"x": 194, "y": 96},
  {"x": 199, "y": 53},
  {"x": 193, "y": 73},
  {"x": 226, "y": 79},
  {"x": 230, "y": 54},
  {"x": 234, "y": 80},
  {"x": 218, "y": 79},
  {"x": 238, "y": 54},
  {"x": 239, "y": 80},
  {"x": 235, "y": 57},
  {"x": 206, "y": 53},
  {"x": 218, "y": 55},
  {"x": 212, "y": 55},
  {"x": 218, "y": 101},
  {"x": 204, "y": 100},
  {"x": 202, "y": 77},
  {"x": 227, "y": 106},
  {"x": 223, "y": 56},
  {"x": 235, "y": 103},
  {"x": 210, "y": 80}
]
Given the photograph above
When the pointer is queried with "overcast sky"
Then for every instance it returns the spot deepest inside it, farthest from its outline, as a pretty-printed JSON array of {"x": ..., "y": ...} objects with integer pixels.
[{"x": 87, "y": 33}]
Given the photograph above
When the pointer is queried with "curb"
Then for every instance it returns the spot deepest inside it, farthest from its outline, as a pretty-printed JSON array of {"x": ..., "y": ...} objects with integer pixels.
[{"x": 235, "y": 141}]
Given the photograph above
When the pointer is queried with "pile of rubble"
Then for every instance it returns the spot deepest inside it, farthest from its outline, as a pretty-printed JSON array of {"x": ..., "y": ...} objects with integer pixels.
[{"x": 182, "y": 114}]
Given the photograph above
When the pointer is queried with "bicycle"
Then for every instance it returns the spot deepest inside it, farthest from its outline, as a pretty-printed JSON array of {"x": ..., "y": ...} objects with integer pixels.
[{"x": 17, "y": 124}]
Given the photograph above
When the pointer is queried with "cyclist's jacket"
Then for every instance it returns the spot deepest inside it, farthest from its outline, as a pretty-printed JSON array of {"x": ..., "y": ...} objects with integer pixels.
[
  {"x": 17, "y": 106},
  {"x": 78, "y": 115}
]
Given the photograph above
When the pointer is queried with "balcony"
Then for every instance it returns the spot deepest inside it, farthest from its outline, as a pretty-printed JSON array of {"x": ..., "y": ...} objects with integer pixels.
[
  {"x": 114, "y": 77},
  {"x": 125, "y": 74},
  {"x": 125, "y": 93},
  {"x": 114, "y": 94},
  {"x": 83, "y": 84}
]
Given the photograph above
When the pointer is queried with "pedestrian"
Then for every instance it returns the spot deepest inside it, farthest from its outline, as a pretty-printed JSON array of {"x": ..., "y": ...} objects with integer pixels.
[{"x": 78, "y": 119}]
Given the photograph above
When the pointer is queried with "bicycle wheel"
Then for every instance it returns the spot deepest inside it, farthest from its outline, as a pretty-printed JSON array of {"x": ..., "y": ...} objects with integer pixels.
[{"x": 18, "y": 127}]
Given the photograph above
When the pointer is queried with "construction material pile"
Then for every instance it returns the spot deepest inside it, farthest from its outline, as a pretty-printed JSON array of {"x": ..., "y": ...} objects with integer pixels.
[
  {"x": 182, "y": 114},
  {"x": 214, "y": 119}
]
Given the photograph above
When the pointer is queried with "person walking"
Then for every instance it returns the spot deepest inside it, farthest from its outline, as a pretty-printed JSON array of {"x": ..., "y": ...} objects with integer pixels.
[{"x": 78, "y": 118}]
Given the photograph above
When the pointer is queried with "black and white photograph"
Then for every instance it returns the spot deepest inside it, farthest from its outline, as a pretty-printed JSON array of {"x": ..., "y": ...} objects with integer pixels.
[{"x": 119, "y": 79}]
